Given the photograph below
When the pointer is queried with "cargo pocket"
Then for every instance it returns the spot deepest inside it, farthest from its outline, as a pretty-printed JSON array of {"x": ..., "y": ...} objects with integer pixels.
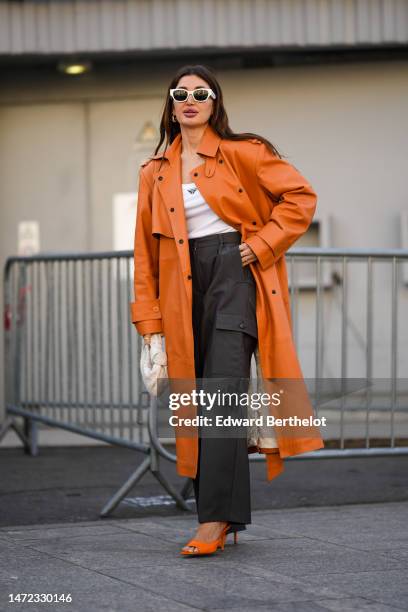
[
  {"x": 236, "y": 322},
  {"x": 233, "y": 342}
]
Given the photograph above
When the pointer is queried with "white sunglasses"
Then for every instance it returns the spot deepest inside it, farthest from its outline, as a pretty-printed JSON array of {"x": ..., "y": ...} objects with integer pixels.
[{"x": 202, "y": 94}]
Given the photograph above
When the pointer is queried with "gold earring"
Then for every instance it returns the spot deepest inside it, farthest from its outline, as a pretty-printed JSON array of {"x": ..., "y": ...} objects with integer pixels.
[{"x": 174, "y": 118}]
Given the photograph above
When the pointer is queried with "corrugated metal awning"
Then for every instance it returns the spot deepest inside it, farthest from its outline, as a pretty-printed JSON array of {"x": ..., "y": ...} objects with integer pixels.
[{"x": 100, "y": 26}]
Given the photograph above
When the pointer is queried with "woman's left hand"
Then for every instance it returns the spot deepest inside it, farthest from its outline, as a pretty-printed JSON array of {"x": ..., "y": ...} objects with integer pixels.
[{"x": 247, "y": 254}]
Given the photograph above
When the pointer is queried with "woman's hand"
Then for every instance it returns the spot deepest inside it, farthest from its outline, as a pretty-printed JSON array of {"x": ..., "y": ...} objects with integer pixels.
[
  {"x": 148, "y": 337},
  {"x": 247, "y": 254}
]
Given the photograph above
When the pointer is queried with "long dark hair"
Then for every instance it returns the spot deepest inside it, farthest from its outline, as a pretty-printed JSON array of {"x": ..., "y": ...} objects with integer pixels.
[{"x": 218, "y": 120}]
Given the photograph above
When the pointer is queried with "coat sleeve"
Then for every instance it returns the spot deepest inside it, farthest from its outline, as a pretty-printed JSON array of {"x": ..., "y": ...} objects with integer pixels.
[
  {"x": 145, "y": 310},
  {"x": 291, "y": 214}
]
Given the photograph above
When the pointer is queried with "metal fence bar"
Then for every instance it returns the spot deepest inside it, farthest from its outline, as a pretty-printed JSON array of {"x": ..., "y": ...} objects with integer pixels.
[
  {"x": 394, "y": 345},
  {"x": 132, "y": 413},
  {"x": 79, "y": 429},
  {"x": 38, "y": 327},
  {"x": 72, "y": 356},
  {"x": 120, "y": 346},
  {"x": 318, "y": 323},
  {"x": 75, "y": 337},
  {"x": 93, "y": 347}
]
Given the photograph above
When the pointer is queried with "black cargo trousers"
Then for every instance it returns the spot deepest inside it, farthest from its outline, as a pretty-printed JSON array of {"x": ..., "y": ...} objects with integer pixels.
[{"x": 225, "y": 337}]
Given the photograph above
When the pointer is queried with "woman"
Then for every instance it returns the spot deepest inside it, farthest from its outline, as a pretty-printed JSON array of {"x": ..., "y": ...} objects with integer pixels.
[{"x": 216, "y": 213}]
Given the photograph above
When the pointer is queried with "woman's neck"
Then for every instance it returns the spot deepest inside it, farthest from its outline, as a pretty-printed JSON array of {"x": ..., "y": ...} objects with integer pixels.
[{"x": 190, "y": 139}]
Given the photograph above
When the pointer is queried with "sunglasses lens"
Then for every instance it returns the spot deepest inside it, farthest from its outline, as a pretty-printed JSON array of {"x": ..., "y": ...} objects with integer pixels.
[
  {"x": 180, "y": 95},
  {"x": 201, "y": 95}
]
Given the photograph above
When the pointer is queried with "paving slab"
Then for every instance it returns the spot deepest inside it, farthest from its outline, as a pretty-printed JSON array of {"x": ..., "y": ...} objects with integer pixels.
[
  {"x": 343, "y": 559},
  {"x": 350, "y": 604},
  {"x": 387, "y": 587}
]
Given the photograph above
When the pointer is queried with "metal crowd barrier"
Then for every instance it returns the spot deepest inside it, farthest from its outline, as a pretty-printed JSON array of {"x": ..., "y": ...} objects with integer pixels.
[{"x": 71, "y": 354}]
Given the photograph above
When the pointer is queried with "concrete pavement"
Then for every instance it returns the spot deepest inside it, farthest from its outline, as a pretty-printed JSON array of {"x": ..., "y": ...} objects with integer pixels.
[{"x": 347, "y": 558}]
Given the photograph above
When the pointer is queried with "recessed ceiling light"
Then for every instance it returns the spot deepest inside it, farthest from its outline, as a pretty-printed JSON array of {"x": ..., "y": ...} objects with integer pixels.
[{"x": 74, "y": 68}]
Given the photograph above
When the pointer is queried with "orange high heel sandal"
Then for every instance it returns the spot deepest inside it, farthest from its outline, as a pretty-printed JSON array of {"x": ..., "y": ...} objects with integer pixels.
[{"x": 207, "y": 548}]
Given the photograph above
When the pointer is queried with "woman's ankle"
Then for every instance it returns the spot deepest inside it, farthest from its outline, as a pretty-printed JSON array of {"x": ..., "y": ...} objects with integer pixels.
[{"x": 211, "y": 525}]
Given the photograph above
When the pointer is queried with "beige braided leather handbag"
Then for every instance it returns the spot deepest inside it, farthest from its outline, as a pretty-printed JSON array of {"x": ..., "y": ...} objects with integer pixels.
[{"x": 153, "y": 362}]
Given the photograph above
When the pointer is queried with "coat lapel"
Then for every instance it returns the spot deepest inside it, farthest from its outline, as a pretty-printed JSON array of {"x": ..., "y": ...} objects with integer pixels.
[{"x": 168, "y": 179}]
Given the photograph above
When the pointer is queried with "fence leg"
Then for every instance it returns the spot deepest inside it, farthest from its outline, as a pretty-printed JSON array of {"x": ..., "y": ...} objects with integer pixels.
[
  {"x": 181, "y": 503},
  {"x": 151, "y": 463},
  {"x": 31, "y": 437},
  {"x": 5, "y": 426},
  {"x": 10, "y": 423},
  {"x": 120, "y": 493},
  {"x": 155, "y": 469}
]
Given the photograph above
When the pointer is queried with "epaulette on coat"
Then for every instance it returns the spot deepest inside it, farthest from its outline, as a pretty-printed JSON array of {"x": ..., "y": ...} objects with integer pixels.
[{"x": 151, "y": 158}]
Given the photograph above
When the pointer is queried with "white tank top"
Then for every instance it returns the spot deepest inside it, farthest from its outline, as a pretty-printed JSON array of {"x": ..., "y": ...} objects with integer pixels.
[{"x": 200, "y": 218}]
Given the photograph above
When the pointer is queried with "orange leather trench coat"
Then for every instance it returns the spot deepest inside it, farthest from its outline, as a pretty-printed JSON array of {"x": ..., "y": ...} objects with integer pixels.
[{"x": 271, "y": 204}]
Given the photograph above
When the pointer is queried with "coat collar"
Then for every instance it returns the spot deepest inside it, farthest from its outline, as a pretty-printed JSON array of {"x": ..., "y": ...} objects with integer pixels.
[{"x": 208, "y": 145}]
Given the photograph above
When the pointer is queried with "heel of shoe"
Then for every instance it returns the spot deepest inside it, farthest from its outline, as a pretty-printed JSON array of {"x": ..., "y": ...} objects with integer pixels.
[
  {"x": 233, "y": 531},
  {"x": 223, "y": 536}
]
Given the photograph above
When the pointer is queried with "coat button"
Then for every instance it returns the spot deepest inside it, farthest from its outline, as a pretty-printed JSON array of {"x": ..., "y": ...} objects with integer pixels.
[
  {"x": 189, "y": 276},
  {"x": 156, "y": 308},
  {"x": 160, "y": 178},
  {"x": 273, "y": 291},
  {"x": 242, "y": 325},
  {"x": 195, "y": 173},
  {"x": 253, "y": 222},
  {"x": 240, "y": 190},
  {"x": 181, "y": 241},
  {"x": 220, "y": 161},
  {"x": 171, "y": 209}
]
